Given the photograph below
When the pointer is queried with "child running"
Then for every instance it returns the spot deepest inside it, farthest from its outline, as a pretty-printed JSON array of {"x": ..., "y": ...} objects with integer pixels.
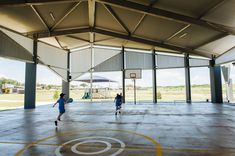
[
  {"x": 118, "y": 102},
  {"x": 61, "y": 102}
]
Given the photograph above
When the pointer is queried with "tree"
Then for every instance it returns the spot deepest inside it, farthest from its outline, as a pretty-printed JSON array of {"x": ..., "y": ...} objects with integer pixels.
[
  {"x": 159, "y": 95},
  {"x": 56, "y": 95},
  {"x": 49, "y": 87},
  {"x": 83, "y": 85}
]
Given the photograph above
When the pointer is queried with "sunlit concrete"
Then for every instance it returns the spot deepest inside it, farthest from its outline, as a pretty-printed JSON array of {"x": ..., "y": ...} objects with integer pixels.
[{"x": 196, "y": 129}]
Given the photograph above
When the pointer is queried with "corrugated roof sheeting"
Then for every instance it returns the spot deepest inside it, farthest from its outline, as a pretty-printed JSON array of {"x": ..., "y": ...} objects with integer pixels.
[
  {"x": 50, "y": 40},
  {"x": 9, "y": 48},
  {"x": 130, "y": 44},
  {"x": 126, "y": 15},
  {"x": 224, "y": 14},
  {"x": 227, "y": 57},
  {"x": 55, "y": 10},
  {"x": 70, "y": 42},
  {"x": 138, "y": 60},
  {"x": 21, "y": 19},
  {"x": 195, "y": 62},
  {"x": 100, "y": 37},
  {"x": 220, "y": 46},
  {"x": 157, "y": 28},
  {"x": 80, "y": 62},
  {"x": 52, "y": 56},
  {"x": 77, "y": 18},
  {"x": 112, "y": 42},
  {"x": 105, "y": 20},
  {"x": 25, "y": 42},
  {"x": 112, "y": 64},
  {"x": 168, "y": 61},
  {"x": 60, "y": 72},
  {"x": 193, "y": 36},
  {"x": 144, "y": 2},
  {"x": 72, "y": 15},
  {"x": 101, "y": 55},
  {"x": 192, "y": 8}
]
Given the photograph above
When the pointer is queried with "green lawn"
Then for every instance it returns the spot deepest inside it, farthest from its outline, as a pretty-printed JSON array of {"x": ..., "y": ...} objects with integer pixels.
[{"x": 169, "y": 94}]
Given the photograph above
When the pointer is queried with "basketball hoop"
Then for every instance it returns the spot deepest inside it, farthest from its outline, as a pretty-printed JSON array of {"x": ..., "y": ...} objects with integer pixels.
[{"x": 133, "y": 75}]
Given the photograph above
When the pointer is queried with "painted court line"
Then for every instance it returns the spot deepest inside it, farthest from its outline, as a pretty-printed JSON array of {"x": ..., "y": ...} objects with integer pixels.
[
  {"x": 133, "y": 148},
  {"x": 157, "y": 148}
]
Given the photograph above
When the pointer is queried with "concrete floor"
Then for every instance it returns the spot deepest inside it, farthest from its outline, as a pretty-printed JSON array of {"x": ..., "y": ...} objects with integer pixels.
[{"x": 199, "y": 129}]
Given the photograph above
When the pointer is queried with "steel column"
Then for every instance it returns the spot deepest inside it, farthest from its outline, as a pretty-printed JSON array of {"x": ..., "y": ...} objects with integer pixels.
[
  {"x": 123, "y": 76},
  {"x": 66, "y": 84},
  {"x": 154, "y": 78},
  {"x": 30, "y": 80},
  {"x": 216, "y": 84},
  {"x": 187, "y": 79},
  {"x": 65, "y": 88}
]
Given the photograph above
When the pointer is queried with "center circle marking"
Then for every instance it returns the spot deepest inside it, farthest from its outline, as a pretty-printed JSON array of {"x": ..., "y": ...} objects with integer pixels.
[
  {"x": 74, "y": 147},
  {"x": 90, "y": 139},
  {"x": 158, "y": 150}
]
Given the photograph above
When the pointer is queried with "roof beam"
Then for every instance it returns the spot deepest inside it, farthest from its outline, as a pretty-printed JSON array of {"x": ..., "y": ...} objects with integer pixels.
[
  {"x": 62, "y": 32},
  {"x": 106, "y": 39},
  {"x": 115, "y": 16},
  {"x": 164, "y": 14},
  {"x": 57, "y": 40},
  {"x": 91, "y": 13},
  {"x": 77, "y": 38},
  {"x": 34, "y": 2},
  {"x": 66, "y": 15},
  {"x": 143, "y": 17},
  {"x": 40, "y": 17},
  {"x": 138, "y": 24},
  {"x": 121, "y": 36},
  {"x": 213, "y": 7},
  {"x": 152, "y": 3},
  {"x": 149, "y": 42}
]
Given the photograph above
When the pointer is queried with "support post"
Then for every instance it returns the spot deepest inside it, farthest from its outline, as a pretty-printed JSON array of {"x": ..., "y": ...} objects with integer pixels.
[
  {"x": 154, "y": 77},
  {"x": 187, "y": 79},
  {"x": 134, "y": 91},
  {"x": 123, "y": 76},
  {"x": 66, "y": 88},
  {"x": 66, "y": 84},
  {"x": 31, "y": 79},
  {"x": 91, "y": 71},
  {"x": 216, "y": 84}
]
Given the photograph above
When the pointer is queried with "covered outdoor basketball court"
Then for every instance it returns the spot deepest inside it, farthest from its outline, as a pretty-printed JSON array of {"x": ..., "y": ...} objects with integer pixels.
[{"x": 72, "y": 37}]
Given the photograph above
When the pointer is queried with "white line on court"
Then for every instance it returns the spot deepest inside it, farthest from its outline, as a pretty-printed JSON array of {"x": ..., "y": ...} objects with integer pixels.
[{"x": 90, "y": 140}]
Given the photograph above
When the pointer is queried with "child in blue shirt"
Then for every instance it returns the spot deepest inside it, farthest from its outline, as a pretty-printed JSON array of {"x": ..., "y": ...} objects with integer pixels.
[
  {"x": 61, "y": 102},
  {"x": 118, "y": 103}
]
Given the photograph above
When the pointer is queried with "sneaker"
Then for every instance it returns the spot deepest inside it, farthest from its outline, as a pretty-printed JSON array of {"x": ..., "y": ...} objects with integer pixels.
[
  {"x": 55, "y": 123},
  {"x": 59, "y": 119}
]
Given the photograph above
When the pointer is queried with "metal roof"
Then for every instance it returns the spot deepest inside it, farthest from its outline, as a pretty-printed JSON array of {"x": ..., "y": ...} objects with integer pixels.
[{"x": 201, "y": 27}]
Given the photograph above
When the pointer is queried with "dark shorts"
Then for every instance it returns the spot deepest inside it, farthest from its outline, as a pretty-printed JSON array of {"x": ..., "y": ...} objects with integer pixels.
[
  {"x": 62, "y": 110},
  {"x": 118, "y": 107}
]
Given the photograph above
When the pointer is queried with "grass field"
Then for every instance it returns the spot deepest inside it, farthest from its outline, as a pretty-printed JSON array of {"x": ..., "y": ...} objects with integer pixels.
[{"x": 168, "y": 94}]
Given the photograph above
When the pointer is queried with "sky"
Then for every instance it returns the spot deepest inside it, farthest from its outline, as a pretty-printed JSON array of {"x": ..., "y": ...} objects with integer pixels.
[{"x": 169, "y": 77}]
